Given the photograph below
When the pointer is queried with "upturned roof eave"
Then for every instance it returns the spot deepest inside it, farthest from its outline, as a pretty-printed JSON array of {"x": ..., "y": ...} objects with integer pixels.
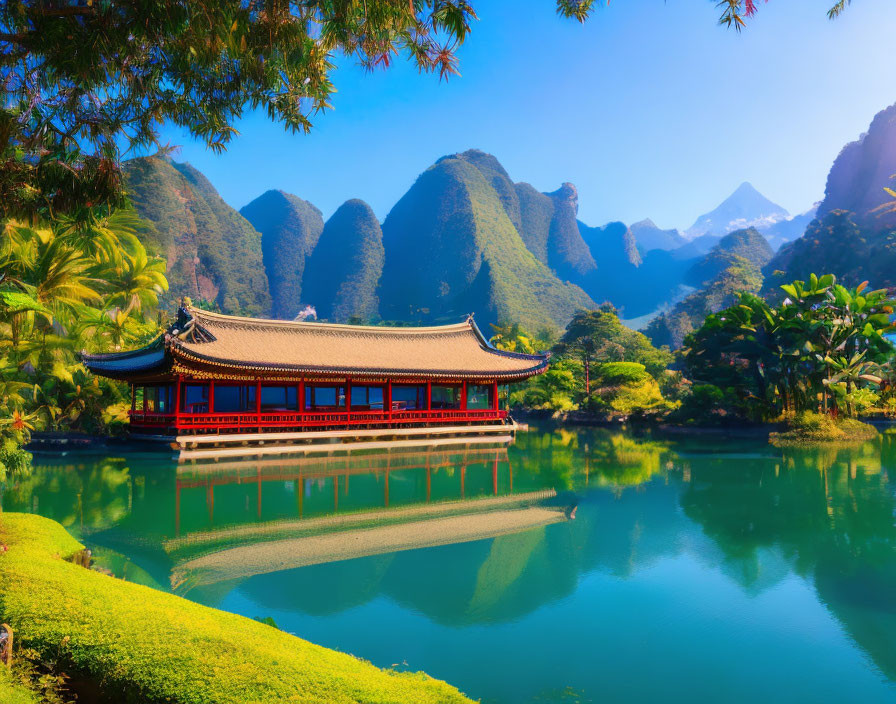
[{"x": 192, "y": 356}]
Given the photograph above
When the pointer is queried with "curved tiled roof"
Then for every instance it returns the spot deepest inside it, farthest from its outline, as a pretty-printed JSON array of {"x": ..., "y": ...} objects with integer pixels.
[{"x": 214, "y": 339}]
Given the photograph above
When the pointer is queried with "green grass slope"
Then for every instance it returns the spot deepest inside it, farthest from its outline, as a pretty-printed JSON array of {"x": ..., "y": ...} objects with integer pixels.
[
  {"x": 290, "y": 228},
  {"x": 452, "y": 248},
  {"x": 148, "y": 646},
  {"x": 342, "y": 273},
  {"x": 212, "y": 251}
]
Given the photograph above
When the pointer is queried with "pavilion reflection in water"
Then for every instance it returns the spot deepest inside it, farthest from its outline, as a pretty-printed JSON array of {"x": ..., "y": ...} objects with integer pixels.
[{"x": 347, "y": 507}]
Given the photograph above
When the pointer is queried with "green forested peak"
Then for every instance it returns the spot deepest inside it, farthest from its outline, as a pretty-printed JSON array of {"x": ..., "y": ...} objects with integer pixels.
[{"x": 290, "y": 228}]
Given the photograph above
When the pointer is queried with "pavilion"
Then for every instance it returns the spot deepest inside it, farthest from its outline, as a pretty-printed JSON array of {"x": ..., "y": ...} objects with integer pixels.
[{"x": 214, "y": 373}]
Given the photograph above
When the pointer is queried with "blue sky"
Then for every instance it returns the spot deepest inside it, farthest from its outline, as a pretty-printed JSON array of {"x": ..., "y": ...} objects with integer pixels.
[{"x": 650, "y": 109}]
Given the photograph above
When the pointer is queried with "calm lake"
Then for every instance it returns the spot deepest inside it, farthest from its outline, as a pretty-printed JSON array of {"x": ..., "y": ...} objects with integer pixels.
[{"x": 576, "y": 565}]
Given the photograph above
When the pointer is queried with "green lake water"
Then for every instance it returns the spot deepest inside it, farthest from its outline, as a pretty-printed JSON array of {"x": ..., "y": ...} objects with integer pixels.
[{"x": 576, "y": 565}]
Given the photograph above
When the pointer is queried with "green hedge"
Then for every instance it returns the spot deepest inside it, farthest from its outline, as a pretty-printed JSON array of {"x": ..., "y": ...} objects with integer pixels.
[{"x": 149, "y": 646}]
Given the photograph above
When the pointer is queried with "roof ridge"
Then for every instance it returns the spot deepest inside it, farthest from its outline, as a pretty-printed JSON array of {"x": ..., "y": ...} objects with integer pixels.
[{"x": 452, "y": 327}]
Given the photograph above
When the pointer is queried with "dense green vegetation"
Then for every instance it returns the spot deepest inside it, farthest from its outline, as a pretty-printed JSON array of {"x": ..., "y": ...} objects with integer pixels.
[
  {"x": 821, "y": 349},
  {"x": 598, "y": 365},
  {"x": 212, "y": 251},
  {"x": 345, "y": 267},
  {"x": 142, "y": 645},
  {"x": 290, "y": 228},
  {"x": 65, "y": 288}
]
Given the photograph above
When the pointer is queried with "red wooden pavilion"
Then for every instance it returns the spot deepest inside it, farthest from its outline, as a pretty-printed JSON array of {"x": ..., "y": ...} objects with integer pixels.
[{"x": 219, "y": 373}]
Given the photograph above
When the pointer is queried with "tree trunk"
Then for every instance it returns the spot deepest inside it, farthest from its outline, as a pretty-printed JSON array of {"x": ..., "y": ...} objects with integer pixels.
[{"x": 587, "y": 362}]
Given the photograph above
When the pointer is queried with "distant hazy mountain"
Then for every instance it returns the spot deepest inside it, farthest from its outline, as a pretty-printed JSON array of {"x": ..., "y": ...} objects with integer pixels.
[
  {"x": 212, "y": 251},
  {"x": 746, "y": 207},
  {"x": 637, "y": 285},
  {"x": 748, "y": 244},
  {"x": 785, "y": 231},
  {"x": 290, "y": 228},
  {"x": 697, "y": 247},
  {"x": 648, "y": 236},
  {"x": 454, "y": 245},
  {"x": 343, "y": 271},
  {"x": 732, "y": 266},
  {"x": 612, "y": 245},
  {"x": 860, "y": 172}
]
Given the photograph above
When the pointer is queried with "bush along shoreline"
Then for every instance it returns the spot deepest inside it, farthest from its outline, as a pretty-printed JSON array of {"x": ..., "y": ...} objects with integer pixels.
[
  {"x": 807, "y": 429},
  {"x": 136, "y": 644}
]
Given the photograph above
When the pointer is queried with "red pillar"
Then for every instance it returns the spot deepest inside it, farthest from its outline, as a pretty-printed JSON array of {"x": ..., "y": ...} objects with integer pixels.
[
  {"x": 300, "y": 401},
  {"x": 348, "y": 398},
  {"x": 428, "y": 395},
  {"x": 496, "y": 403},
  {"x": 177, "y": 401},
  {"x": 211, "y": 396},
  {"x": 463, "y": 396},
  {"x": 258, "y": 403},
  {"x": 388, "y": 400}
]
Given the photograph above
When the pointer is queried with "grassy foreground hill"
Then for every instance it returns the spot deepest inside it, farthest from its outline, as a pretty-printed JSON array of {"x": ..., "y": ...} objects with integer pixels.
[
  {"x": 143, "y": 645},
  {"x": 290, "y": 228},
  {"x": 212, "y": 251},
  {"x": 452, "y": 248}
]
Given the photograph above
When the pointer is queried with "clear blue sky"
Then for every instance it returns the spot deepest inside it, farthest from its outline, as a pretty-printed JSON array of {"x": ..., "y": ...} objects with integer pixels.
[{"x": 650, "y": 109}]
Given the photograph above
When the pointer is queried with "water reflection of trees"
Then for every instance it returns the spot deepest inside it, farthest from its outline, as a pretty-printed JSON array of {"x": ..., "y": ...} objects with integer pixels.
[
  {"x": 828, "y": 513},
  {"x": 83, "y": 497},
  {"x": 575, "y": 458}
]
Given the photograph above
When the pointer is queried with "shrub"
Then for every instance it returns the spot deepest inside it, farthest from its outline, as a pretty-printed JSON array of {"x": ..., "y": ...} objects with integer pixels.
[
  {"x": 143, "y": 645},
  {"x": 621, "y": 373},
  {"x": 809, "y": 428}
]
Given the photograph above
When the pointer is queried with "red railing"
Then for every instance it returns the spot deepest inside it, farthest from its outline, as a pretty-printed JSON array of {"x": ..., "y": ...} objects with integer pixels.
[{"x": 284, "y": 420}]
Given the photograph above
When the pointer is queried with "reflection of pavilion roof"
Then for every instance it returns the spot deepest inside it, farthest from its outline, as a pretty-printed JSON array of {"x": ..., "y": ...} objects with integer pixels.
[
  {"x": 334, "y": 538},
  {"x": 224, "y": 341},
  {"x": 279, "y": 468}
]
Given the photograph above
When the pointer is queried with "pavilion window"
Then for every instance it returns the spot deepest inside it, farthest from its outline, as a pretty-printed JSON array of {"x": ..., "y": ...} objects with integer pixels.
[
  {"x": 408, "y": 398},
  {"x": 445, "y": 396},
  {"x": 279, "y": 398},
  {"x": 234, "y": 398},
  {"x": 164, "y": 398},
  {"x": 324, "y": 398},
  {"x": 138, "y": 399},
  {"x": 479, "y": 396},
  {"x": 150, "y": 399},
  {"x": 367, "y": 398},
  {"x": 194, "y": 398}
]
